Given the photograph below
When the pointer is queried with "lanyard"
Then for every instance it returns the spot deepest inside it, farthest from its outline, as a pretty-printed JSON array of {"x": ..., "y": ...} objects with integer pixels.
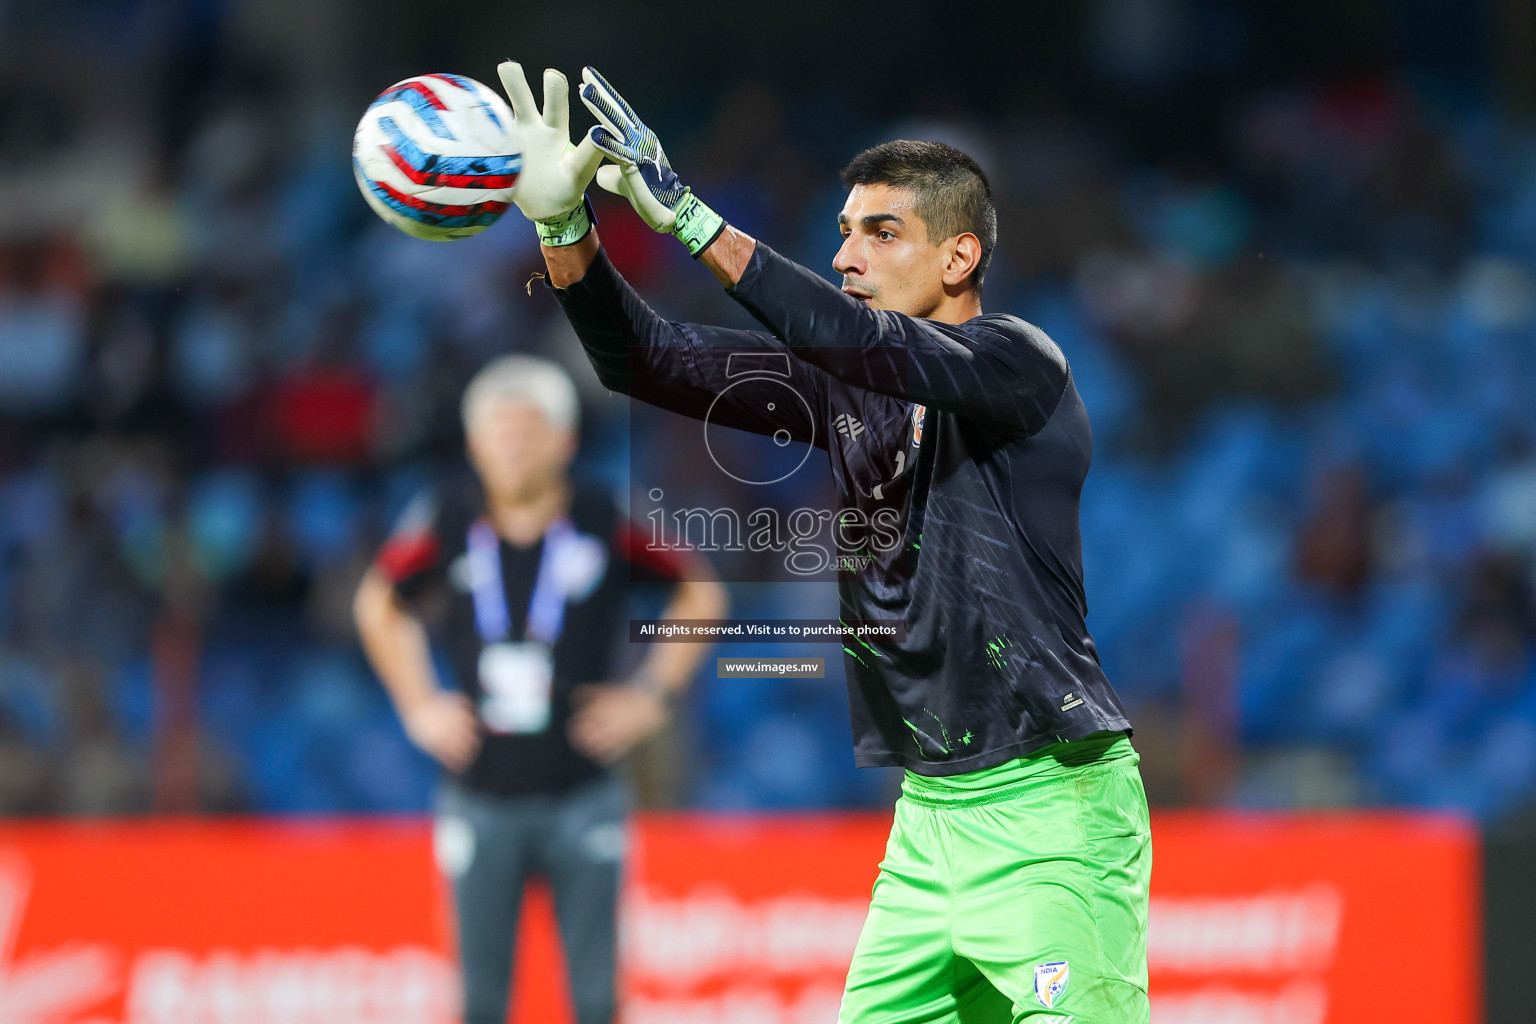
[{"x": 546, "y": 608}]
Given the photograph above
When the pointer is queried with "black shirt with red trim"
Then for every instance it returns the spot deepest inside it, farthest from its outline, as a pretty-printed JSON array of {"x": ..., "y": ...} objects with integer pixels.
[{"x": 426, "y": 554}]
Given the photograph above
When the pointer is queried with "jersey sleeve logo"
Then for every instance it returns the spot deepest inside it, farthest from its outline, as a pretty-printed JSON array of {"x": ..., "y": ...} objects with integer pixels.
[
  {"x": 848, "y": 426},
  {"x": 917, "y": 424},
  {"x": 1050, "y": 983}
]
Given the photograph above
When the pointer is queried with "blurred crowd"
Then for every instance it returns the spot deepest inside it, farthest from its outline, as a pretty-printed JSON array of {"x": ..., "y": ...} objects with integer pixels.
[{"x": 1308, "y": 347}]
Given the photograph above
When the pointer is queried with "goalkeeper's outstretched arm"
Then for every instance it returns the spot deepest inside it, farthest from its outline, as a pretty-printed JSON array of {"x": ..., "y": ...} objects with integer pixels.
[
  {"x": 995, "y": 370},
  {"x": 685, "y": 368}
]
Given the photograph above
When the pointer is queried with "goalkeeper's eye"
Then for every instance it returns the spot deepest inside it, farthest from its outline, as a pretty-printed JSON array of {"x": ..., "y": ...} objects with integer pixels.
[{"x": 886, "y": 236}]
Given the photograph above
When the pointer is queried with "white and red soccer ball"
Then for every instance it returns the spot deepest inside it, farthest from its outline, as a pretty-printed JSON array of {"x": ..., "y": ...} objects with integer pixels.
[{"x": 437, "y": 156}]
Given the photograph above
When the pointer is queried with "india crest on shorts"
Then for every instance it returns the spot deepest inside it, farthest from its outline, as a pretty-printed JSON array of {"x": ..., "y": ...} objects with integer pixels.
[{"x": 1050, "y": 982}]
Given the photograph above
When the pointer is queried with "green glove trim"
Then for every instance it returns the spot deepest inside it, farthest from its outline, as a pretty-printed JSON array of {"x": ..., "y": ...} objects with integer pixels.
[
  {"x": 568, "y": 228},
  {"x": 697, "y": 225}
]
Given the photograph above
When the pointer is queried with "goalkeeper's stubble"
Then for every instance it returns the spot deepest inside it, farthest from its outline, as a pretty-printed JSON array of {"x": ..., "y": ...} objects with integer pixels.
[{"x": 888, "y": 262}]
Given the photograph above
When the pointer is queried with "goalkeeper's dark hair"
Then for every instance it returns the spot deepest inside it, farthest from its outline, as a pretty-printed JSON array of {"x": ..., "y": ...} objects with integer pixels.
[{"x": 949, "y": 189}]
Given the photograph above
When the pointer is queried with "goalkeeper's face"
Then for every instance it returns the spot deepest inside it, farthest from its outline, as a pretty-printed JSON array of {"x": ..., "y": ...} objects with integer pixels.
[
  {"x": 887, "y": 261},
  {"x": 516, "y": 451}
]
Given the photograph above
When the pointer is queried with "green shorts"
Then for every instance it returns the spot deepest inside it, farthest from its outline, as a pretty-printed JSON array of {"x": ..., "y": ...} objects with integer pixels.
[{"x": 1014, "y": 894}]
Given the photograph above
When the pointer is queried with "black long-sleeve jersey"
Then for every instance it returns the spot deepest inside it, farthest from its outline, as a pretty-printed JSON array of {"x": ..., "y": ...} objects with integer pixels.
[{"x": 971, "y": 435}]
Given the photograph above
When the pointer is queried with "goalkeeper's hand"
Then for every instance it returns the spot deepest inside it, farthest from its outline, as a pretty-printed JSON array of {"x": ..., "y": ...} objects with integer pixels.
[
  {"x": 552, "y": 184},
  {"x": 641, "y": 173}
]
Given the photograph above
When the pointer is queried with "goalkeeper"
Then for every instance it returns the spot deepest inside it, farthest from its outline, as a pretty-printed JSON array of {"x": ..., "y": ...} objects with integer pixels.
[{"x": 1014, "y": 886}]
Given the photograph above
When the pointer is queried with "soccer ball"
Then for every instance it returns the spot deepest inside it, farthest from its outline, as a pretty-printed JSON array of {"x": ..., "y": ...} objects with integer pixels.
[{"x": 437, "y": 156}]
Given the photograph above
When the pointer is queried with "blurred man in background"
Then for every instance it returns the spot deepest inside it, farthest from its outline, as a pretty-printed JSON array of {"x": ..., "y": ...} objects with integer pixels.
[{"x": 535, "y": 571}]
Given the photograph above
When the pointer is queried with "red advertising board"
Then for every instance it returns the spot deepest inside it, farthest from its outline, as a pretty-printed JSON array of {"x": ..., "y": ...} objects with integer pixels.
[
  {"x": 221, "y": 923},
  {"x": 1314, "y": 920},
  {"x": 1255, "y": 920}
]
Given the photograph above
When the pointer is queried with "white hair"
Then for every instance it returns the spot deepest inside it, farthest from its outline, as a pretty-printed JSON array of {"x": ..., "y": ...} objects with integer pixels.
[{"x": 522, "y": 379}]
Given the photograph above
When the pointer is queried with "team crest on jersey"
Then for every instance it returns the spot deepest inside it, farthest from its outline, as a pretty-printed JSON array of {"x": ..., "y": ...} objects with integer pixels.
[
  {"x": 917, "y": 425},
  {"x": 1050, "y": 983}
]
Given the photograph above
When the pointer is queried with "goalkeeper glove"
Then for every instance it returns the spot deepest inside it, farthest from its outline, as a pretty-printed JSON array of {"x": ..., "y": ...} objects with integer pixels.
[
  {"x": 552, "y": 184},
  {"x": 643, "y": 175}
]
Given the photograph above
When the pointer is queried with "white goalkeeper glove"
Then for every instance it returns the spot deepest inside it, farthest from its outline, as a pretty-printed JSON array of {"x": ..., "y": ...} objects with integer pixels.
[
  {"x": 552, "y": 184},
  {"x": 641, "y": 173}
]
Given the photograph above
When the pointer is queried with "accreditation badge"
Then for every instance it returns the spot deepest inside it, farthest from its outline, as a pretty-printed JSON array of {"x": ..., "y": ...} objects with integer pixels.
[{"x": 516, "y": 680}]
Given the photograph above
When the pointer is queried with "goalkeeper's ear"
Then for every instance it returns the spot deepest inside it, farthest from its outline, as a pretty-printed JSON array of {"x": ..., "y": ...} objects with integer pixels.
[{"x": 962, "y": 260}]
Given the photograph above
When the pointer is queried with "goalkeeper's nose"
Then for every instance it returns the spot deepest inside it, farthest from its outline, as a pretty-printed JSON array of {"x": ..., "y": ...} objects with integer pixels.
[{"x": 851, "y": 260}]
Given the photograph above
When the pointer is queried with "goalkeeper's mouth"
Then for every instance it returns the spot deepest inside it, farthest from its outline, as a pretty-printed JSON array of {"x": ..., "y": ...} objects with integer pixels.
[{"x": 864, "y": 297}]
